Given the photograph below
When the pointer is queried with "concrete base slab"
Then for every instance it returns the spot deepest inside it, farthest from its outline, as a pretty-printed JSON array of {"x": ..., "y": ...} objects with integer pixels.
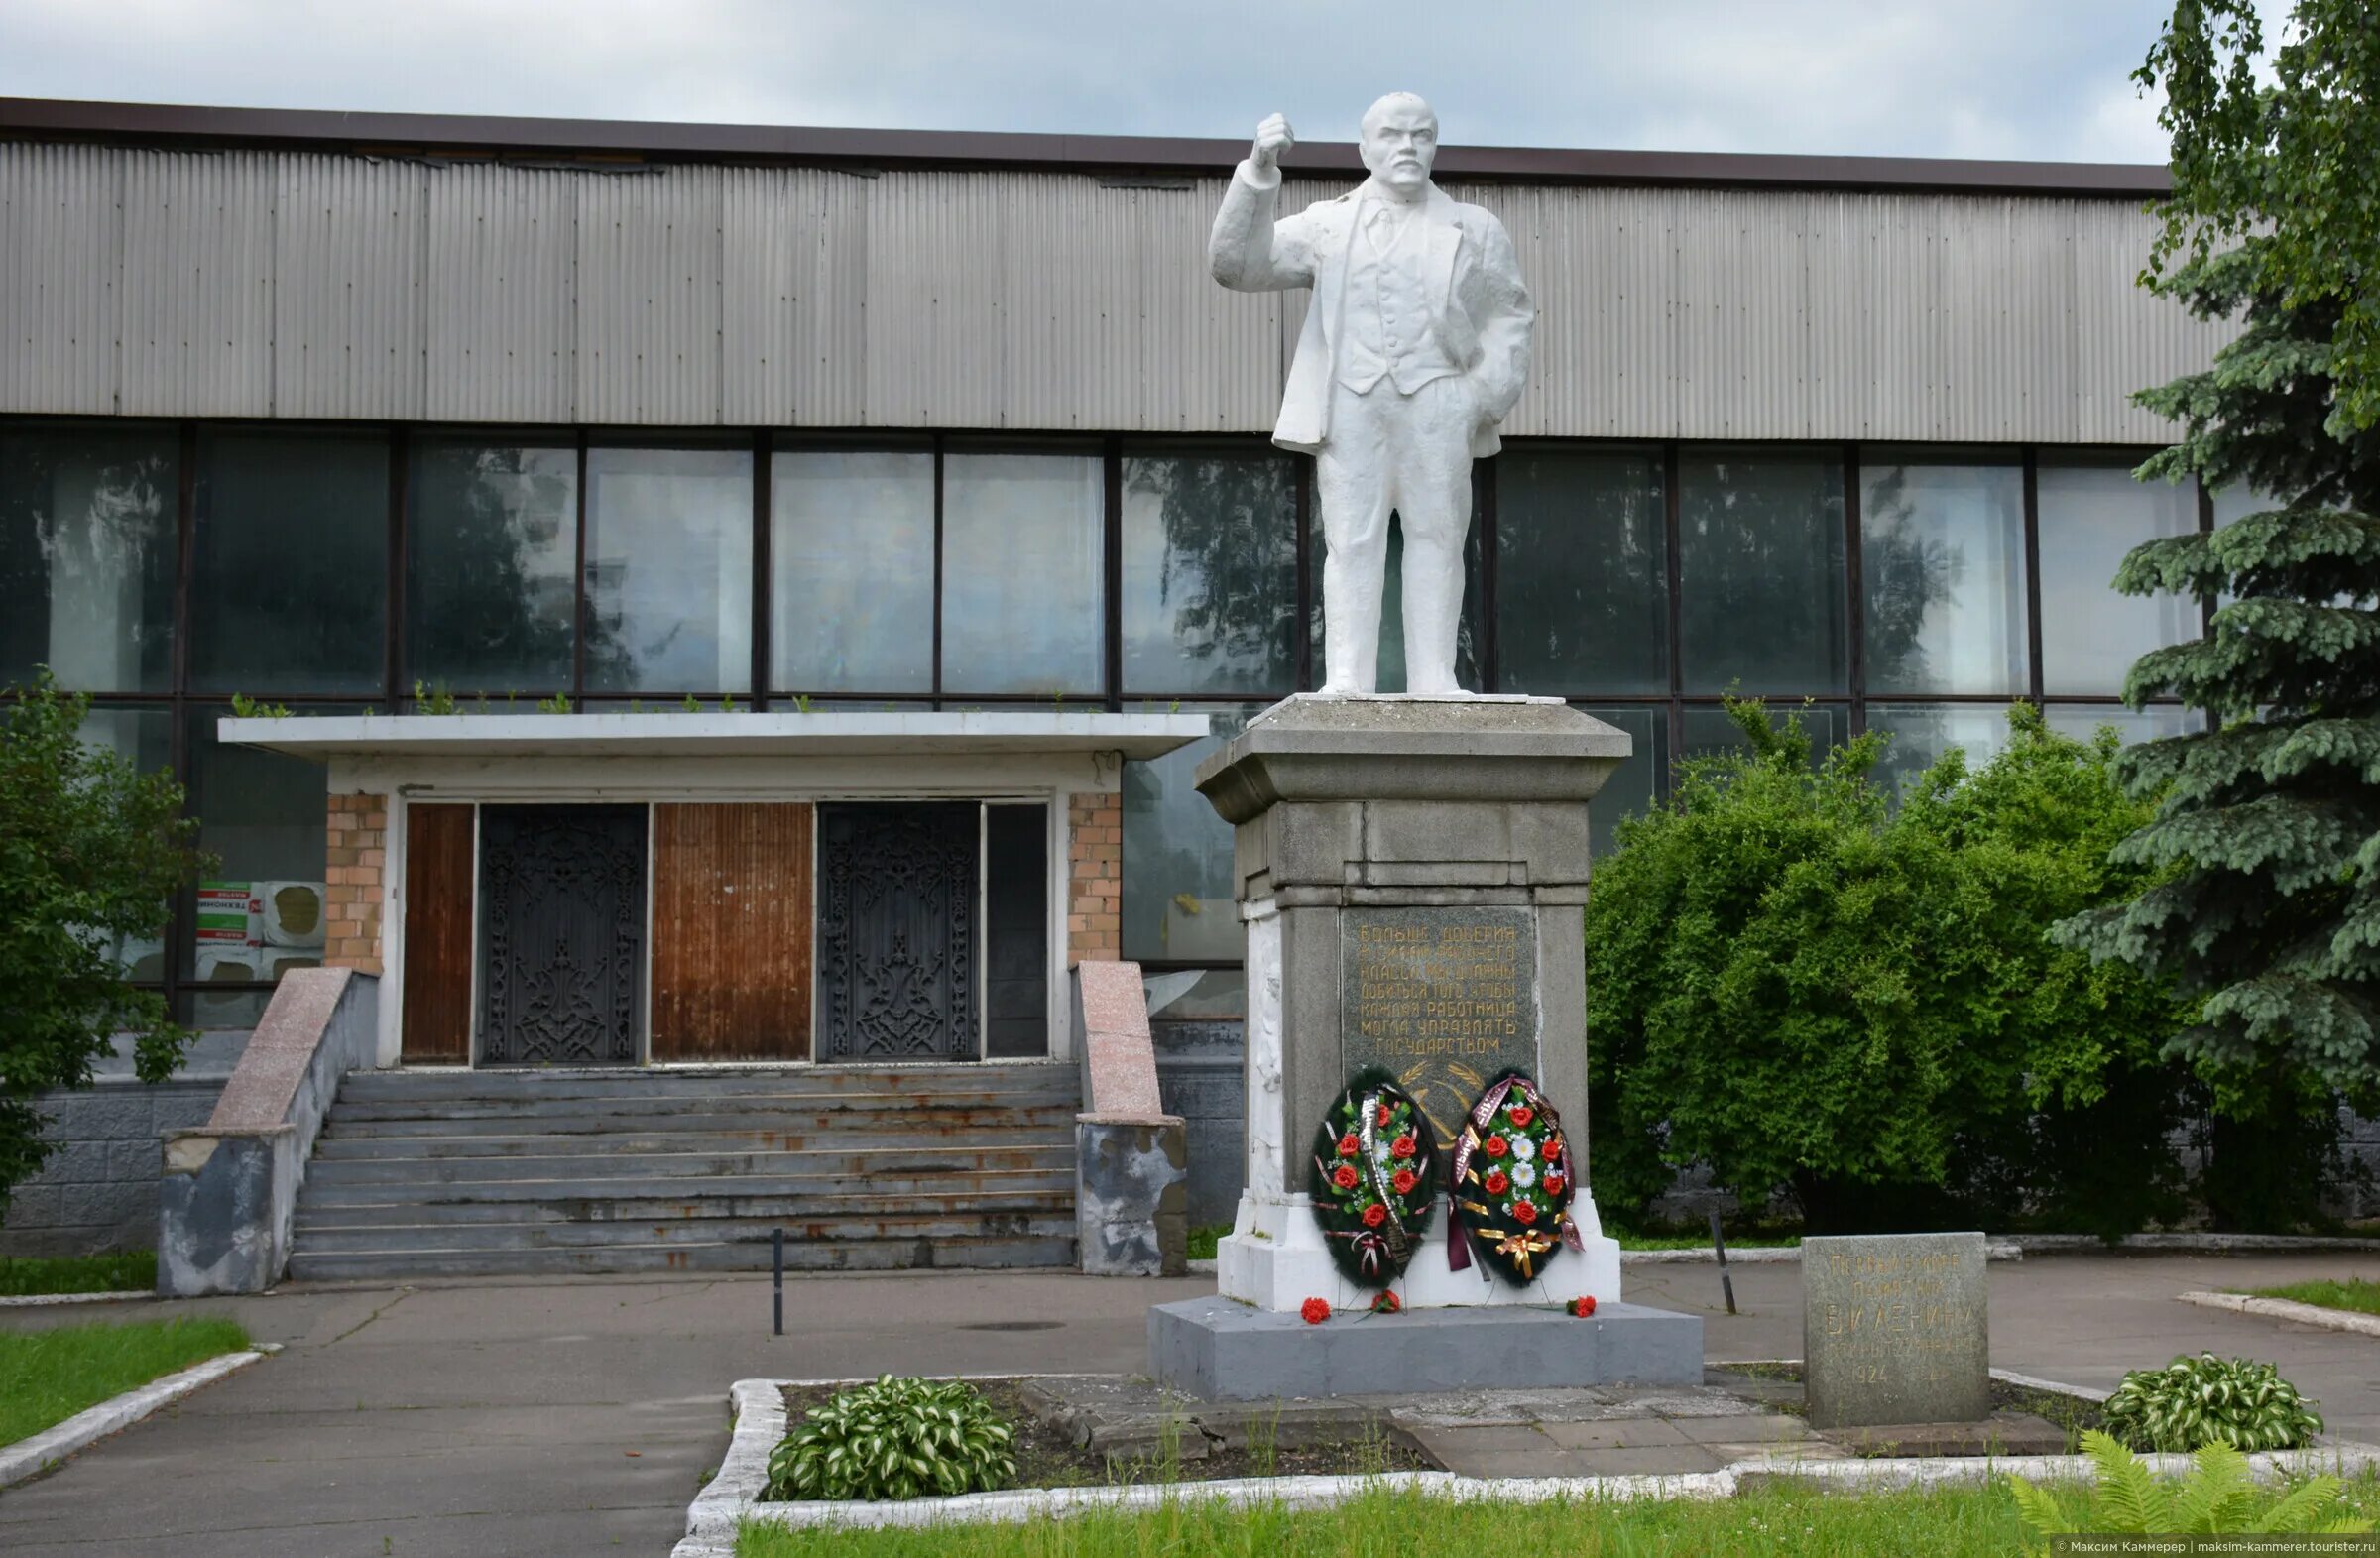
[
  {"x": 2003, "y": 1433},
  {"x": 1219, "y": 1350},
  {"x": 1274, "y": 1259}
]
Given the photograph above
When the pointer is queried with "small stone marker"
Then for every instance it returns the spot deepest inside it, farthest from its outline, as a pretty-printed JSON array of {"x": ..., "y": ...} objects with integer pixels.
[
  {"x": 1894, "y": 1330},
  {"x": 1442, "y": 998}
]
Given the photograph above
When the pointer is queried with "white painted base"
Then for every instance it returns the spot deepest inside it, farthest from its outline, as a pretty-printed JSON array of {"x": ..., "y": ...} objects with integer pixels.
[{"x": 1274, "y": 1259}]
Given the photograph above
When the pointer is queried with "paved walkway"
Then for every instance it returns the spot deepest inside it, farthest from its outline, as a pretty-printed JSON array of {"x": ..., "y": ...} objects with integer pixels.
[{"x": 492, "y": 1419}]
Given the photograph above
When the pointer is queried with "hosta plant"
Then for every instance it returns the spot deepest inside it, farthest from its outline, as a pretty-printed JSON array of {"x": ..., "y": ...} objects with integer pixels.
[
  {"x": 2203, "y": 1400},
  {"x": 894, "y": 1439},
  {"x": 2218, "y": 1496}
]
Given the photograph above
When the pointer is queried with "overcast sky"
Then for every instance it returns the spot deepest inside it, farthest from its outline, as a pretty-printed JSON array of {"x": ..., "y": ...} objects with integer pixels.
[{"x": 2001, "y": 78}]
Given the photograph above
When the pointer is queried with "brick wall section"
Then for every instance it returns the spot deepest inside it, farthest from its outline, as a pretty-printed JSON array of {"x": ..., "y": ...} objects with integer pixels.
[
  {"x": 358, "y": 860},
  {"x": 1093, "y": 877}
]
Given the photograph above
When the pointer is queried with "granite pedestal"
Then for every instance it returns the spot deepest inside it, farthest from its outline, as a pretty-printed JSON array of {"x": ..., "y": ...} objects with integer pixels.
[
  {"x": 1412, "y": 873},
  {"x": 1222, "y": 1351}
]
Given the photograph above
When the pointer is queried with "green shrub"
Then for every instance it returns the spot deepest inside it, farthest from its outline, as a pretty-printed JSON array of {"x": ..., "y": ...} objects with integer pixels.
[
  {"x": 1814, "y": 992},
  {"x": 894, "y": 1439},
  {"x": 2209, "y": 1401},
  {"x": 2219, "y": 1496}
]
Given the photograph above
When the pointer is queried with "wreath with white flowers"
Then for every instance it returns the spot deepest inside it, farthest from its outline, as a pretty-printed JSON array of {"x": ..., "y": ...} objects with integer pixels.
[
  {"x": 1375, "y": 1178},
  {"x": 1512, "y": 1183}
]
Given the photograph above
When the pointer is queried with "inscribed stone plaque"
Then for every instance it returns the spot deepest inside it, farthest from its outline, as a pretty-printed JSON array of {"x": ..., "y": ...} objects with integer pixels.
[
  {"x": 1893, "y": 1330},
  {"x": 1443, "y": 998}
]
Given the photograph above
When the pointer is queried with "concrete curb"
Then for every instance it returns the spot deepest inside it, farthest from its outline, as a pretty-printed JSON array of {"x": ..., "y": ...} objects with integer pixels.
[
  {"x": 2288, "y": 1309},
  {"x": 27, "y": 1457},
  {"x": 732, "y": 1497},
  {"x": 2195, "y": 1244},
  {"x": 33, "y": 1300}
]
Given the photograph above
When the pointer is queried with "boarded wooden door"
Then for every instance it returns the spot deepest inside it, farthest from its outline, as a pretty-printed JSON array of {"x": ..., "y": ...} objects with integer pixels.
[
  {"x": 436, "y": 1030},
  {"x": 731, "y": 932},
  {"x": 899, "y": 931},
  {"x": 561, "y": 913}
]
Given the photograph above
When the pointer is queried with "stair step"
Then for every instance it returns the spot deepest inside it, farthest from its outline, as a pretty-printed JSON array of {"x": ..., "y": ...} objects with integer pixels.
[
  {"x": 647, "y": 1200},
  {"x": 910, "y": 1119},
  {"x": 928, "y": 1082},
  {"x": 566, "y": 1164},
  {"x": 995, "y": 1149},
  {"x": 1037, "y": 1220},
  {"x": 839, "y": 1254}
]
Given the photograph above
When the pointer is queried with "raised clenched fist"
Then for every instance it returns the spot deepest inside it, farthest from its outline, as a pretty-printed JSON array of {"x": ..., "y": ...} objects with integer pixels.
[{"x": 1273, "y": 137}]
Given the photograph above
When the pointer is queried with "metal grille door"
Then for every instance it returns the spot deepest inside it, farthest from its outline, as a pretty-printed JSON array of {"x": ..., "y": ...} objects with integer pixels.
[
  {"x": 561, "y": 913},
  {"x": 898, "y": 931}
]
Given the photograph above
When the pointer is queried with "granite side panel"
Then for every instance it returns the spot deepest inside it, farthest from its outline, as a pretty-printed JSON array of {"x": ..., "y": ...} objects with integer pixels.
[
  {"x": 1201, "y": 1077},
  {"x": 98, "y": 1192},
  {"x": 1131, "y": 1200}
]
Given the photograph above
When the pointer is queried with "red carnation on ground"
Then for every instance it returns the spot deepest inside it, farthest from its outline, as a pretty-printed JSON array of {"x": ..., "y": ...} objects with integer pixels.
[
  {"x": 1344, "y": 1176},
  {"x": 1314, "y": 1312},
  {"x": 1402, "y": 1147},
  {"x": 1405, "y": 1181},
  {"x": 1375, "y": 1215},
  {"x": 1495, "y": 1182},
  {"x": 1582, "y": 1307},
  {"x": 1387, "y": 1303},
  {"x": 1348, "y": 1147},
  {"x": 1493, "y": 1146},
  {"x": 1522, "y": 1113},
  {"x": 1523, "y": 1213}
]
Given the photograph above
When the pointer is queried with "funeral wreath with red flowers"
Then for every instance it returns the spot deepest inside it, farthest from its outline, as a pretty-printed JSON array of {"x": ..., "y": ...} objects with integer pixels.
[
  {"x": 1375, "y": 1178},
  {"x": 1512, "y": 1183}
]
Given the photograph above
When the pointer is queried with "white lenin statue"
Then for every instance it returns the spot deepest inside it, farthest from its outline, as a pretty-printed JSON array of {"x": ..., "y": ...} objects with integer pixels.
[{"x": 1415, "y": 347}]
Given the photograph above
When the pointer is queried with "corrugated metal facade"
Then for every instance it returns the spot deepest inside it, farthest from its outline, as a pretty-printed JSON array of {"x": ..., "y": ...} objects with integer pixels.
[{"x": 308, "y": 284}]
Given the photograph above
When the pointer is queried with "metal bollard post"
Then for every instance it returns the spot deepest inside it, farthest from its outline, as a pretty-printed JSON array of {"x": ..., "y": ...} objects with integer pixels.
[
  {"x": 776, "y": 1241},
  {"x": 1726, "y": 1283}
]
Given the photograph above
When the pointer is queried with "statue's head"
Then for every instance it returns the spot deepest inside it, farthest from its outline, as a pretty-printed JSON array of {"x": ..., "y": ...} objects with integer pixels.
[{"x": 1400, "y": 141}]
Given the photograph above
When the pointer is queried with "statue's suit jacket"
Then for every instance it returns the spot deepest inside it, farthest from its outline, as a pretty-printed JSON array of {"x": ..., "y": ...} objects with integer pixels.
[{"x": 1480, "y": 311}]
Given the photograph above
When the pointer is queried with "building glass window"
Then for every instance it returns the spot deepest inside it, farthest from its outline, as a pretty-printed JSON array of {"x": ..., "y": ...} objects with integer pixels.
[
  {"x": 1582, "y": 574},
  {"x": 290, "y": 588},
  {"x": 1021, "y": 573},
  {"x": 1761, "y": 573},
  {"x": 1942, "y": 567},
  {"x": 260, "y": 914},
  {"x": 1210, "y": 573},
  {"x": 143, "y": 738},
  {"x": 491, "y": 564},
  {"x": 668, "y": 570},
  {"x": 87, "y": 536},
  {"x": 851, "y": 551},
  {"x": 1180, "y": 903},
  {"x": 1637, "y": 784},
  {"x": 2082, "y": 721},
  {"x": 1919, "y": 733},
  {"x": 2093, "y": 514}
]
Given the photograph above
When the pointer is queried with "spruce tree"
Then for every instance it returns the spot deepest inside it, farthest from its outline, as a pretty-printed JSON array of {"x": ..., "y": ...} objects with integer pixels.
[{"x": 2266, "y": 839}]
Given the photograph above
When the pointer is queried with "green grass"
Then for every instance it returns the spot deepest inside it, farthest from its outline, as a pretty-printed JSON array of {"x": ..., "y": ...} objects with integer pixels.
[
  {"x": 134, "y": 1271},
  {"x": 47, "y": 1376},
  {"x": 1780, "y": 1519},
  {"x": 1748, "y": 1240},
  {"x": 2356, "y": 1293},
  {"x": 1202, "y": 1240}
]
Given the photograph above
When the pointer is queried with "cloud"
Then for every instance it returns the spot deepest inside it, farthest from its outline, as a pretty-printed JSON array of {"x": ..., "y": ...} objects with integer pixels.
[{"x": 2016, "y": 78}]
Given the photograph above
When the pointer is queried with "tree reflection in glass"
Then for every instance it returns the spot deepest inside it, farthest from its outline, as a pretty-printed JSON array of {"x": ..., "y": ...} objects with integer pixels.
[
  {"x": 1210, "y": 573},
  {"x": 1582, "y": 587},
  {"x": 1761, "y": 573},
  {"x": 491, "y": 555},
  {"x": 86, "y": 557},
  {"x": 1941, "y": 549}
]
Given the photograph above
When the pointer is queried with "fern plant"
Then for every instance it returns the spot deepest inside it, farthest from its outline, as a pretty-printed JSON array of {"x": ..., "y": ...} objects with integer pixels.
[
  {"x": 898, "y": 1438},
  {"x": 2194, "y": 1401},
  {"x": 2219, "y": 1496}
]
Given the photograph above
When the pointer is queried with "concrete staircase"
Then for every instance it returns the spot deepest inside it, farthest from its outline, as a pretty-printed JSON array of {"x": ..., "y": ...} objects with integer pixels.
[{"x": 466, "y": 1173}]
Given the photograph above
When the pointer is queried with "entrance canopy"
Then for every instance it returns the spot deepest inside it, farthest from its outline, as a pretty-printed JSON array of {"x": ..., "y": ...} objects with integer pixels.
[
  {"x": 889, "y": 733},
  {"x": 685, "y": 889}
]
